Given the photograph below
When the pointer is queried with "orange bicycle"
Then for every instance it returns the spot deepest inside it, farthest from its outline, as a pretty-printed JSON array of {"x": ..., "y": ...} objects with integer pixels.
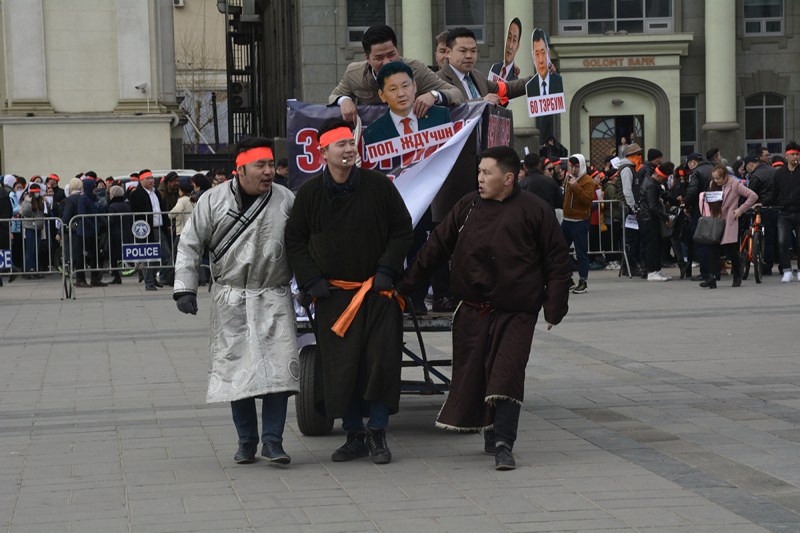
[{"x": 752, "y": 247}]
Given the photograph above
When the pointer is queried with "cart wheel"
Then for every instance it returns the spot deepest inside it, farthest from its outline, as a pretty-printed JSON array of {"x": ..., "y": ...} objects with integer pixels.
[{"x": 308, "y": 419}]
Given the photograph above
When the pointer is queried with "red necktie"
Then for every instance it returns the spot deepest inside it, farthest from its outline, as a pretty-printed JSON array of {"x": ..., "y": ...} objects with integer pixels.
[{"x": 409, "y": 157}]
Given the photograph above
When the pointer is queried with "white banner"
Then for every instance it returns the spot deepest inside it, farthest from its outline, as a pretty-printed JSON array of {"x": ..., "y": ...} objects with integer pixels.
[
  {"x": 427, "y": 138},
  {"x": 549, "y": 104},
  {"x": 419, "y": 184}
]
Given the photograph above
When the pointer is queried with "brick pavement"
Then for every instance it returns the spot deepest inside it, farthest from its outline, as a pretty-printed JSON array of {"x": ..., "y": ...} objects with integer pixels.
[{"x": 652, "y": 408}]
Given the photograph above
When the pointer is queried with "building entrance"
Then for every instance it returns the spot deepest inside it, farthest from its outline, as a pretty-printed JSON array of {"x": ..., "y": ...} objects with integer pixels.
[{"x": 608, "y": 134}]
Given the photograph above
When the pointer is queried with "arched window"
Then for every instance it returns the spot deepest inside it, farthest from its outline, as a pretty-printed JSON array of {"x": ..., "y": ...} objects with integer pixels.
[{"x": 764, "y": 122}]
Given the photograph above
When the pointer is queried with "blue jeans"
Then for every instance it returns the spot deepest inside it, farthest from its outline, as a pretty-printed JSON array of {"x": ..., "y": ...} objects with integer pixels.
[
  {"x": 31, "y": 249},
  {"x": 378, "y": 416},
  {"x": 273, "y": 418},
  {"x": 578, "y": 233}
]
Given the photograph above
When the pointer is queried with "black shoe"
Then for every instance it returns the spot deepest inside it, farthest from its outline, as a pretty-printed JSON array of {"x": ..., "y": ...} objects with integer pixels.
[
  {"x": 643, "y": 274},
  {"x": 353, "y": 448},
  {"x": 710, "y": 283},
  {"x": 274, "y": 453},
  {"x": 378, "y": 449},
  {"x": 82, "y": 283},
  {"x": 683, "y": 269},
  {"x": 115, "y": 281},
  {"x": 737, "y": 282},
  {"x": 246, "y": 454},
  {"x": 158, "y": 284},
  {"x": 571, "y": 283},
  {"x": 581, "y": 288},
  {"x": 488, "y": 441},
  {"x": 151, "y": 288},
  {"x": 445, "y": 304},
  {"x": 698, "y": 278},
  {"x": 503, "y": 458}
]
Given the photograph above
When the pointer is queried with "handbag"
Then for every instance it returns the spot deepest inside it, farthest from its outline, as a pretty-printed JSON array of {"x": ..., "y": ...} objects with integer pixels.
[{"x": 709, "y": 230}]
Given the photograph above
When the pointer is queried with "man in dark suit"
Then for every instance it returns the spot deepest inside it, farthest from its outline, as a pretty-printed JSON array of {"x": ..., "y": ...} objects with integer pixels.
[
  {"x": 459, "y": 71},
  {"x": 506, "y": 69},
  {"x": 359, "y": 85},
  {"x": 546, "y": 81},
  {"x": 146, "y": 199}
]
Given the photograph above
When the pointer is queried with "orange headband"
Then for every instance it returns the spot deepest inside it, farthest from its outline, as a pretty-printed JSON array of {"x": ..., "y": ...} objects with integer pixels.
[
  {"x": 254, "y": 154},
  {"x": 336, "y": 134},
  {"x": 144, "y": 175},
  {"x": 660, "y": 172},
  {"x": 792, "y": 152}
]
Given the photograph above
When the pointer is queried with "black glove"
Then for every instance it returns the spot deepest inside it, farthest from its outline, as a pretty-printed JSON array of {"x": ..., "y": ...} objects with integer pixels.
[
  {"x": 382, "y": 282},
  {"x": 319, "y": 289},
  {"x": 187, "y": 304}
]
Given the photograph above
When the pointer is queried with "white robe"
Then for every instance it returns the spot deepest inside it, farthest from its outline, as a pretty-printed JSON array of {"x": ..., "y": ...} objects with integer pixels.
[{"x": 253, "y": 336}]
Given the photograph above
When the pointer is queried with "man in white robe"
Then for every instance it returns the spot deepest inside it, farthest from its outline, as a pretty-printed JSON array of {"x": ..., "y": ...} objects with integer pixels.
[{"x": 253, "y": 339}]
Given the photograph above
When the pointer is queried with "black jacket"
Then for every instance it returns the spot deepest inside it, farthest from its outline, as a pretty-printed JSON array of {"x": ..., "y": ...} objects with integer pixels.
[
  {"x": 786, "y": 190},
  {"x": 761, "y": 182},
  {"x": 699, "y": 181},
  {"x": 544, "y": 187},
  {"x": 140, "y": 203},
  {"x": 651, "y": 206}
]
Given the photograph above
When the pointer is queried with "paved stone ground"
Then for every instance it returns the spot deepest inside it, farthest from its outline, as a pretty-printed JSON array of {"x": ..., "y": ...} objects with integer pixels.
[{"x": 653, "y": 408}]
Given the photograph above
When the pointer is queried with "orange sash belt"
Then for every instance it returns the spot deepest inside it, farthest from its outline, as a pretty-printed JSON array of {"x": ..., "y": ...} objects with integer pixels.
[{"x": 347, "y": 316}]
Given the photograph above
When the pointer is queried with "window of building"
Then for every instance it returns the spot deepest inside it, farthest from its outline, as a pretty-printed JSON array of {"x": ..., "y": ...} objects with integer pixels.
[
  {"x": 361, "y": 14},
  {"x": 763, "y": 17},
  {"x": 599, "y": 17},
  {"x": 688, "y": 124},
  {"x": 763, "y": 122},
  {"x": 467, "y": 14}
]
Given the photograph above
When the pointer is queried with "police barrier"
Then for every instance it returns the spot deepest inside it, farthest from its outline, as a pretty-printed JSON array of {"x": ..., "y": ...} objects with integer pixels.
[
  {"x": 30, "y": 246},
  {"x": 608, "y": 238},
  {"x": 119, "y": 243}
]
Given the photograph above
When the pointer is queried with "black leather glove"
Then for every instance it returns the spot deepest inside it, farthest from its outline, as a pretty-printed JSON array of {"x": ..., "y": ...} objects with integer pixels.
[
  {"x": 382, "y": 282},
  {"x": 319, "y": 289},
  {"x": 187, "y": 303}
]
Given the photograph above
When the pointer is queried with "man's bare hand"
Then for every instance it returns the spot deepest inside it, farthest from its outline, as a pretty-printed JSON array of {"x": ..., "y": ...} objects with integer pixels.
[
  {"x": 492, "y": 99},
  {"x": 422, "y": 104},
  {"x": 349, "y": 111}
]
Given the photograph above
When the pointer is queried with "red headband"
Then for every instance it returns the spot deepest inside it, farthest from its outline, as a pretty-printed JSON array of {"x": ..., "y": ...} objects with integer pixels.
[
  {"x": 54, "y": 177},
  {"x": 792, "y": 152},
  {"x": 35, "y": 187},
  {"x": 336, "y": 134},
  {"x": 144, "y": 175},
  {"x": 254, "y": 154},
  {"x": 661, "y": 172}
]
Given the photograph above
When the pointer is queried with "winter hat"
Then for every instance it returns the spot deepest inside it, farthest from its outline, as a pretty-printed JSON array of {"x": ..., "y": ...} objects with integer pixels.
[
  {"x": 694, "y": 156},
  {"x": 115, "y": 192},
  {"x": 654, "y": 153}
]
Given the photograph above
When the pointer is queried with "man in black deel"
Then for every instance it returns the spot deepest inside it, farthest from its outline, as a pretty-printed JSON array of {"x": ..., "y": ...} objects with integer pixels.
[{"x": 786, "y": 194}]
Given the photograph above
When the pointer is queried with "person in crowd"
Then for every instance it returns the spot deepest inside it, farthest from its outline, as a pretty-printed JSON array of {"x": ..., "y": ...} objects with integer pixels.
[
  {"x": 699, "y": 180},
  {"x": 613, "y": 212},
  {"x": 58, "y": 192},
  {"x": 358, "y": 84},
  {"x": 440, "y": 50},
  {"x": 253, "y": 342},
  {"x": 346, "y": 238},
  {"x": 629, "y": 196},
  {"x": 760, "y": 179},
  {"x": 652, "y": 216},
  {"x": 552, "y": 149},
  {"x": 729, "y": 209},
  {"x": 459, "y": 71},
  {"x": 6, "y": 212},
  {"x": 654, "y": 157},
  {"x": 182, "y": 209},
  {"x": 168, "y": 189},
  {"x": 200, "y": 184},
  {"x": 119, "y": 230},
  {"x": 146, "y": 199},
  {"x": 86, "y": 249},
  {"x": 220, "y": 177},
  {"x": 101, "y": 195},
  {"x": 509, "y": 260},
  {"x": 32, "y": 210},
  {"x": 536, "y": 182},
  {"x": 15, "y": 228},
  {"x": 578, "y": 197},
  {"x": 282, "y": 172},
  {"x": 786, "y": 195}
]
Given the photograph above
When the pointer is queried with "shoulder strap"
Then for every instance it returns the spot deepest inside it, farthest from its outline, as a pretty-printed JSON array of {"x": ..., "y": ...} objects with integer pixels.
[{"x": 241, "y": 222}]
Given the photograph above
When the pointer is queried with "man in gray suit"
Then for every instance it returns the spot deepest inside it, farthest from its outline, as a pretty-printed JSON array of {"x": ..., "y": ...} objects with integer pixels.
[
  {"x": 459, "y": 71},
  {"x": 359, "y": 85}
]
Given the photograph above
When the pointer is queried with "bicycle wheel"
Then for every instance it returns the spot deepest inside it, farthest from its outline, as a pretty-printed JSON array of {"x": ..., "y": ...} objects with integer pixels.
[
  {"x": 744, "y": 260},
  {"x": 758, "y": 255}
]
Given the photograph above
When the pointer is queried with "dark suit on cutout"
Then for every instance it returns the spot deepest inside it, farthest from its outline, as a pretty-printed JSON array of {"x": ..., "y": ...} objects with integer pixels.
[
  {"x": 554, "y": 86},
  {"x": 384, "y": 128},
  {"x": 497, "y": 68}
]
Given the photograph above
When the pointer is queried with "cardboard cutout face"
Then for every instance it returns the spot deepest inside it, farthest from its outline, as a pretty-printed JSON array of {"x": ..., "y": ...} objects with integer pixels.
[{"x": 512, "y": 43}]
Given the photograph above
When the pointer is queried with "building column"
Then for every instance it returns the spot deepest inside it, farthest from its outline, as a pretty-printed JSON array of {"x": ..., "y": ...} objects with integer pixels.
[
  {"x": 25, "y": 67},
  {"x": 417, "y": 36},
  {"x": 133, "y": 56},
  {"x": 720, "y": 30},
  {"x": 524, "y": 126}
]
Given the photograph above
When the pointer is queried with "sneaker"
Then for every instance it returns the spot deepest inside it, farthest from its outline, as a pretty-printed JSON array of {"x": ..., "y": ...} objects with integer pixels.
[
  {"x": 246, "y": 454},
  {"x": 613, "y": 265},
  {"x": 572, "y": 283},
  {"x": 657, "y": 276},
  {"x": 378, "y": 448},
  {"x": 597, "y": 265},
  {"x": 274, "y": 453},
  {"x": 581, "y": 287},
  {"x": 665, "y": 275},
  {"x": 488, "y": 441},
  {"x": 353, "y": 448},
  {"x": 503, "y": 458},
  {"x": 798, "y": 275},
  {"x": 787, "y": 277}
]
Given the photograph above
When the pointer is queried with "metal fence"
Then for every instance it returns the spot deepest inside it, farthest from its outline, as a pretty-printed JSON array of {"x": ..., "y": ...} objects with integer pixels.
[
  {"x": 30, "y": 247},
  {"x": 611, "y": 240}
]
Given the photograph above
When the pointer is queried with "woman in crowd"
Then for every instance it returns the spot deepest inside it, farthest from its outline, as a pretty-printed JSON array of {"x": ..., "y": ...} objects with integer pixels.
[
  {"x": 200, "y": 184},
  {"x": 33, "y": 220},
  {"x": 119, "y": 229},
  {"x": 727, "y": 208}
]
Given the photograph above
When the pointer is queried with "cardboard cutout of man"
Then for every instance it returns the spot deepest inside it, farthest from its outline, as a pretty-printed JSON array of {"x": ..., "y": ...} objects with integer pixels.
[
  {"x": 545, "y": 81},
  {"x": 506, "y": 69}
]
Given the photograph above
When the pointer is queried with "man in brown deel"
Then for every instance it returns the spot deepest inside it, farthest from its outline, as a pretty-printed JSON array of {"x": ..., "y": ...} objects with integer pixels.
[{"x": 508, "y": 260}]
